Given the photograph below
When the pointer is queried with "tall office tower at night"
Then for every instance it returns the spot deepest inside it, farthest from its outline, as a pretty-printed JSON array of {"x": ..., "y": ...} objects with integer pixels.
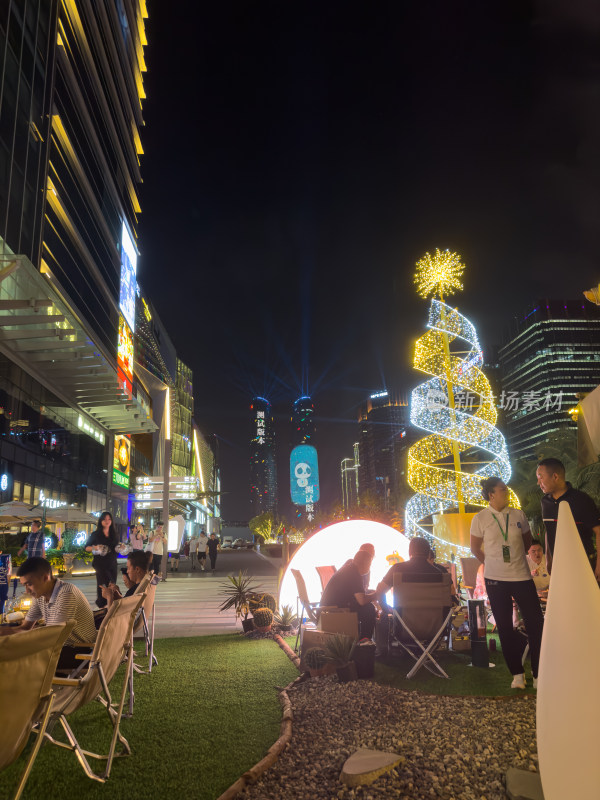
[
  {"x": 349, "y": 477},
  {"x": 263, "y": 467},
  {"x": 303, "y": 421},
  {"x": 551, "y": 355},
  {"x": 383, "y": 426},
  {"x": 70, "y": 117}
]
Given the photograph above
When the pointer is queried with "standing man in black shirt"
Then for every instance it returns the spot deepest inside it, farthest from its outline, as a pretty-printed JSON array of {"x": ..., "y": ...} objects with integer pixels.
[
  {"x": 551, "y": 480},
  {"x": 213, "y": 546}
]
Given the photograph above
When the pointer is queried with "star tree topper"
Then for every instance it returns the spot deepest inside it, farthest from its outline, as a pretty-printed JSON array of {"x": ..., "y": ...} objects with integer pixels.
[{"x": 439, "y": 274}]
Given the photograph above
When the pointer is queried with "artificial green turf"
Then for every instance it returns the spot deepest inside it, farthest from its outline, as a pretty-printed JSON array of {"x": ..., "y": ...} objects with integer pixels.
[
  {"x": 464, "y": 680},
  {"x": 205, "y": 715}
]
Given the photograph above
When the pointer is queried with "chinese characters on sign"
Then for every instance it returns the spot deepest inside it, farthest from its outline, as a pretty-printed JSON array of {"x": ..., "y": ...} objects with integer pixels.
[
  {"x": 304, "y": 478},
  {"x": 507, "y": 401},
  {"x": 260, "y": 427}
]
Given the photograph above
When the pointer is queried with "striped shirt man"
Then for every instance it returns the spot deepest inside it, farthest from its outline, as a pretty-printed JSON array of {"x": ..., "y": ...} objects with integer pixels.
[{"x": 66, "y": 602}]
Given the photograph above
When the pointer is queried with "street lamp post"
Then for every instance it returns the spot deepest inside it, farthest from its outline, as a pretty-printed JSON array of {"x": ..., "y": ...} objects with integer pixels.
[{"x": 166, "y": 477}]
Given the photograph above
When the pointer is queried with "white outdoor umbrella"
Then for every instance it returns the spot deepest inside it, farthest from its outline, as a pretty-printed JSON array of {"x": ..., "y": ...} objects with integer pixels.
[
  {"x": 15, "y": 511},
  {"x": 66, "y": 515}
]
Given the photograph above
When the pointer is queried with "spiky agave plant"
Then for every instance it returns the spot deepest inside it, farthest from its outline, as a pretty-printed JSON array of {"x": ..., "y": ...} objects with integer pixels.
[
  {"x": 286, "y": 617},
  {"x": 339, "y": 649},
  {"x": 236, "y": 591}
]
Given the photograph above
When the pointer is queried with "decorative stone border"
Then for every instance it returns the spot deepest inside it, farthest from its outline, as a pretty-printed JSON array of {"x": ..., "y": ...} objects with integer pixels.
[{"x": 285, "y": 732}]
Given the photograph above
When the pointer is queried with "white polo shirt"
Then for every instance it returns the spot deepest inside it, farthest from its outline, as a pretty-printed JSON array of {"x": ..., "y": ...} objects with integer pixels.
[{"x": 485, "y": 527}]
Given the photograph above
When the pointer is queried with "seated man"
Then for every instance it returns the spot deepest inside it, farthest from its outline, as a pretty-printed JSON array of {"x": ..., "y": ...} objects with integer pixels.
[
  {"x": 346, "y": 590},
  {"x": 536, "y": 560},
  {"x": 56, "y": 601},
  {"x": 419, "y": 553},
  {"x": 138, "y": 564}
]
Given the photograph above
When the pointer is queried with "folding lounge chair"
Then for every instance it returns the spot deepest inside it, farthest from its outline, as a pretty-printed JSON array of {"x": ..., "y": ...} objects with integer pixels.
[
  {"x": 305, "y": 604},
  {"x": 27, "y": 664},
  {"x": 422, "y": 613},
  {"x": 147, "y": 612},
  {"x": 144, "y": 624},
  {"x": 469, "y": 567},
  {"x": 325, "y": 574},
  {"x": 112, "y": 644}
]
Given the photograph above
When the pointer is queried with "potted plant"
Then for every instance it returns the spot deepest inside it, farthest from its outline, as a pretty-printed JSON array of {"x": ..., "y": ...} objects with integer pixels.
[
  {"x": 261, "y": 600},
  {"x": 316, "y": 661},
  {"x": 339, "y": 652},
  {"x": 286, "y": 618},
  {"x": 236, "y": 593},
  {"x": 263, "y": 619}
]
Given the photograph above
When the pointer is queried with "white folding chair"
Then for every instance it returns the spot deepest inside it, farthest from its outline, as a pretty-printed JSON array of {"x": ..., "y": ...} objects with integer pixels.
[{"x": 422, "y": 612}]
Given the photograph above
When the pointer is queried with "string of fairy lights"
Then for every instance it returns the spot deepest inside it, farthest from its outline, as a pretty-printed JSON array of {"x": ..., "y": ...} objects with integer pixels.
[{"x": 435, "y": 471}]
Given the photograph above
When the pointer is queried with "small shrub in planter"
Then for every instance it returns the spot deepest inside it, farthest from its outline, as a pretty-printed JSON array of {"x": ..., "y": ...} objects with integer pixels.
[
  {"x": 286, "y": 619},
  {"x": 263, "y": 619},
  {"x": 339, "y": 652},
  {"x": 261, "y": 600},
  {"x": 237, "y": 592},
  {"x": 316, "y": 661}
]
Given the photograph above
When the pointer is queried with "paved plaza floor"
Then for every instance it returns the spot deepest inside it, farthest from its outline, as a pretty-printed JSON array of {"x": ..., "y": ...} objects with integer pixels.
[{"x": 187, "y": 603}]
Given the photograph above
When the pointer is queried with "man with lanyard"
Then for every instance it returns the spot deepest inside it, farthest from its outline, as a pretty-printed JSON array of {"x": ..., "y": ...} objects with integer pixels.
[
  {"x": 34, "y": 542},
  {"x": 550, "y": 475}
]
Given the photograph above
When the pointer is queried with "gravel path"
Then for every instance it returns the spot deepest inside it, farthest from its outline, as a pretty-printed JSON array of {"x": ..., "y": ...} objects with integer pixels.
[{"x": 454, "y": 747}]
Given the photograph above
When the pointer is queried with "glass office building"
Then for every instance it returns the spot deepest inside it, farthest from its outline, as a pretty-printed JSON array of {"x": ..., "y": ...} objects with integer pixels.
[
  {"x": 551, "y": 355},
  {"x": 71, "y": 95}
]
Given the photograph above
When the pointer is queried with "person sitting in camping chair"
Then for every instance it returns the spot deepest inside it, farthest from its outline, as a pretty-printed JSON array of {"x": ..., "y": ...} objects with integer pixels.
[
  {"x": 346, "y": 589},
  {"x": 138, "y": 564}
]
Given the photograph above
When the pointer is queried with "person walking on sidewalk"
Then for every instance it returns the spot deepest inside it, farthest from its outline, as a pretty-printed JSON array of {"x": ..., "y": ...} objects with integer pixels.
[
  {"x": 193, "y": 544},
  {"x": 158, "y": 540},
  {"x": 102, "y": 544},
  {"x": 500, "y": 539},
  {"x": 213, "y": 547},
  {"x": 201, "y": 549}
]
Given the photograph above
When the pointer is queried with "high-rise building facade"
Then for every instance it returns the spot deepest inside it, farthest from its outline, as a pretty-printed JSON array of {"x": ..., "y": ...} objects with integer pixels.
[
  {"x": 303, "y": 421},
  {"x": 383, "y": 426},
  {"x": 349, "y": 478},
  {"x": 181, "y": 422},
  {"x": 70, "y": 114},
  {"x": 263, "y": 466},
  {"x": 551, "y": 355}
]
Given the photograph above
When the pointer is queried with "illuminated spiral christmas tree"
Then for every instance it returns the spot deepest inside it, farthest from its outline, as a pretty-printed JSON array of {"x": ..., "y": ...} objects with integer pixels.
[{"x": 455, "y": 406}]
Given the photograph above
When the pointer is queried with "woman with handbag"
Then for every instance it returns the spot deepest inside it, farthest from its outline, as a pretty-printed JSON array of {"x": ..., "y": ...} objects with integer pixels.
[{"x": 102, "y": 544}]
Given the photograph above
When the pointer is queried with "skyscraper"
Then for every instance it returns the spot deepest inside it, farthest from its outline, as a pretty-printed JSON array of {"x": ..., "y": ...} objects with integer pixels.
[
  {"x": 303, "y": 422},
  {"x": 349, "y": 477},
  {"x": 551, "y": 354},
  {"x": 263, "y": 466},
  {"x": 383, "y": 426}
]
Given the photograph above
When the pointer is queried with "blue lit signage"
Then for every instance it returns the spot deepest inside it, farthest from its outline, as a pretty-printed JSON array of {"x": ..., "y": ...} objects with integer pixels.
[
  {"x": 128, "y": 281},
  {"x": 3, "y": 482},
  {"x": 304, "y": 478}
]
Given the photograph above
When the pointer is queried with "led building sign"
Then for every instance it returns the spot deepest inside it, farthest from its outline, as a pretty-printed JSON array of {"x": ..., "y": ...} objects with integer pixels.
[
  {"x": 121, "y": 461},
  {"x": 304, "y": 478},
  {"x": 128, "y": 281},
  {"x": 125, "y": 348},
  {"x": 260, "y": 427}
]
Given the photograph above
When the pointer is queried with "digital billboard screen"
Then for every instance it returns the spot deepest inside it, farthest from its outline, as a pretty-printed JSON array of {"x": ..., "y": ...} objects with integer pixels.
[
  {"x": 128, "y": 281},
  {"x": 304, "y": 478},
  {"x": 121, "y": 460},
  {"x": 125, "y": 348}
]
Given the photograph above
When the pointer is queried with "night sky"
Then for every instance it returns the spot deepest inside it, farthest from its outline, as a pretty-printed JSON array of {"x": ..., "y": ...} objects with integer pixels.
[{"x": 301, "y": 156}]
